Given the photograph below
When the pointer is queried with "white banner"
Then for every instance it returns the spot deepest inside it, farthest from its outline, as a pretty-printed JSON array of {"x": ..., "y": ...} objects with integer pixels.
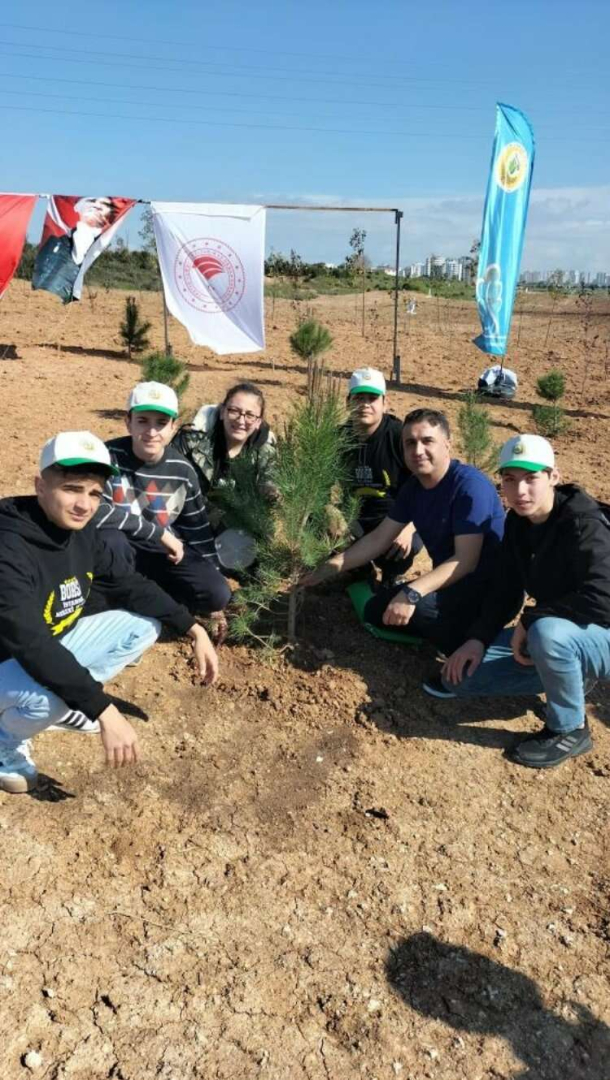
[{"x": 212, "y": 264}]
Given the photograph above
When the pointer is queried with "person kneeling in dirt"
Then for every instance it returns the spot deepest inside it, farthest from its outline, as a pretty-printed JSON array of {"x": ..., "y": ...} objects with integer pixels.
[
  {"x": 377, "y": 470},
  {"x": 556, "y": 549},
  {"x": 57, "y": 645},
  {"x": 458, "y": 514},
  {"x": 154, "y": 517}
]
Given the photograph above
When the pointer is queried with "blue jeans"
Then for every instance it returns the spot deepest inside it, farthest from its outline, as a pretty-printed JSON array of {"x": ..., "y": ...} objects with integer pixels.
[
  {"x": 104, "y": 644},
  {"x": 566, "y": 658}
]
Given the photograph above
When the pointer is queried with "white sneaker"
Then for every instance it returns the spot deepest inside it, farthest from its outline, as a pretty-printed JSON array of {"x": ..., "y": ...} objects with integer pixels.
[
  {"x": 18, "y": 772},
  {"x": 76, "y": 721}
]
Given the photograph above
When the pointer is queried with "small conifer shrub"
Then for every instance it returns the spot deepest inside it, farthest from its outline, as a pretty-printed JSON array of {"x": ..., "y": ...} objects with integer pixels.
[
  {"x": 133, "y": 331},
  {"x": 158, "y": 367},
  {"x": 477, "y": 443}
]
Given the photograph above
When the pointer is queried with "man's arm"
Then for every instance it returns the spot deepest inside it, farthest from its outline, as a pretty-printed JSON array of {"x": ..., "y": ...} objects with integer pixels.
[
  {"x": 369, "y": 547},
  {"x": 464, "y": 560}
]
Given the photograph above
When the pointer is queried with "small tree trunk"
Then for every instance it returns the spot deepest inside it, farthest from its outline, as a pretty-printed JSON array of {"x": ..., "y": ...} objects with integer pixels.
[
  {"x": 292, "y": 614},
  {"x": 363, "y": 299}
]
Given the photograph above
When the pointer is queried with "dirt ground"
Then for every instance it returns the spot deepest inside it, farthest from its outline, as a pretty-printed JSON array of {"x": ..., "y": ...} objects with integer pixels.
[{"x": 316, "y": 873}]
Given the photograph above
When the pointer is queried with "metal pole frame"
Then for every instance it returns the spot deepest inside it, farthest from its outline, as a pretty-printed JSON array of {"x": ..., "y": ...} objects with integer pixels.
[{"x": 398, "y": 215}]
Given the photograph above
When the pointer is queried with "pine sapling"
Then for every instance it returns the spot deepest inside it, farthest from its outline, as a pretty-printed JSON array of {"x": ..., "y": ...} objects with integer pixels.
[
  {"x": 133, "y": 331},
  {"x": 304, "y": 523},
  {"x": 158, "y": 367},
  {"x": 551, "y": 386},
  {"x": 477, "y": 443},
  {"x": 309, "y": 341},
  {"x": 551, "y": 419}
]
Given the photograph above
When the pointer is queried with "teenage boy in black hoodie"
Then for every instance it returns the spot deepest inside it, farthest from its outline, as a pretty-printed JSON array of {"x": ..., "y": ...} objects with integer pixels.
[
  {"x": 556, "y": 549},
  {"x": 68, "y": 620},
  {"x": 377, "y": 468}
]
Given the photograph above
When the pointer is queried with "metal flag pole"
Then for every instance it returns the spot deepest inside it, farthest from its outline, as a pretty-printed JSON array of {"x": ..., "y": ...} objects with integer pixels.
[
  {"x": 396, "y": 377},
  {"x": 168, "y": 347}
]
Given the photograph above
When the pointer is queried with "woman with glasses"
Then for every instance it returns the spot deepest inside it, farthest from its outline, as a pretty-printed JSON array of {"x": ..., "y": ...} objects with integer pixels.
[{"x": 220, "y": 433}]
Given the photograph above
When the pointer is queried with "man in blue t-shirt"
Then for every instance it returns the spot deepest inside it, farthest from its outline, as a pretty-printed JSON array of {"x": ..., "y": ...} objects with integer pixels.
[{"x": 458, "y": 514}]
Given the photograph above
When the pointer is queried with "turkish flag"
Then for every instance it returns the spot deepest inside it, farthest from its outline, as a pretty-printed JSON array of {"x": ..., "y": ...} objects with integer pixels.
[{"x": 15, "y": 214}]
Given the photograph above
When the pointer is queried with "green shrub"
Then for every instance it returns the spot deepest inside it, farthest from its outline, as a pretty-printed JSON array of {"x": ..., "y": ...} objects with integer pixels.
[
  {"x": 477, "y": 443},
  {"x": 550, "y": 420},
  {"x": 133, "y": 331},
  {"x": 157, "y": 367},
  {"x": 551, "y": 386}
]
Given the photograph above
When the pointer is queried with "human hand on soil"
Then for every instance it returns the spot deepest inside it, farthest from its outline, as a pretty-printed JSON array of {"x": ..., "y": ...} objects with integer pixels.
[
  {"x": 119, "y": 740},
  {"x": 205, "y": 655},
  {"x": 464, "y": 661},
  {"x": 329, "y": 569},
  {"x": 399, "y": 611},
  {"x": 174, "y": 547},
  {"x": 518, "y": 644}
]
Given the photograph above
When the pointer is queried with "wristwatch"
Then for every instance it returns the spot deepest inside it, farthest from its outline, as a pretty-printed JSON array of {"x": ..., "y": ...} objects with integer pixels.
[{"x": 412, "y": 595}]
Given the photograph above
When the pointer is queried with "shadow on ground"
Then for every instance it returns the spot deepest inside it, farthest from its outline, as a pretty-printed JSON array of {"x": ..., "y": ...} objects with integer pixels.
[{"x": 471, "y": 993}]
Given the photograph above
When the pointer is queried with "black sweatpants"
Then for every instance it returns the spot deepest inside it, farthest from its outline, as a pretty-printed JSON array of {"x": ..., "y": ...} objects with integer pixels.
[
  {"x": 195, "y": 582},
  {"x": 442, "y": 617}
]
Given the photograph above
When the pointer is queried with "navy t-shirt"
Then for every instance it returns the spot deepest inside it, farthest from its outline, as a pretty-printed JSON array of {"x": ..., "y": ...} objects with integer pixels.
[{"x": 465, "y": 502}]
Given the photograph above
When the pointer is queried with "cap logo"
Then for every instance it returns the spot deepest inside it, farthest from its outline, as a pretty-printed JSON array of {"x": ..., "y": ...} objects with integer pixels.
[
  {"x": 154, "y": 395},
  {"x": 518, "y": 448},
  {"x": 86, "y": 444},
  {"x": 366, "y": 376}
]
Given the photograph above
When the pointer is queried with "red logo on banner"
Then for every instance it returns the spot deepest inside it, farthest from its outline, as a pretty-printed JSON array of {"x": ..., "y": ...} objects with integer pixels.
[{"x": 210, "y": 275}]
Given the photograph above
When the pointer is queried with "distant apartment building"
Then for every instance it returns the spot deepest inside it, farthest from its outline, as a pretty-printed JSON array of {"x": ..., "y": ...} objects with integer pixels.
[
  {"x": 435, "y": 266},
  {"x": 417, "y": 270},
  {"x": 454, "y": 269}
]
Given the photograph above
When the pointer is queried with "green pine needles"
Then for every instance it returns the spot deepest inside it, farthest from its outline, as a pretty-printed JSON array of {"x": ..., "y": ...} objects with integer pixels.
[
  {"x": 133, "y": 331},
  {"x": 157, "y": 367},
  {"x": 304, "y": 523},
  {"x": 477, "y": 443},
  {"x": 551, "y": 420},
  {"x": 309, "y": 341}
]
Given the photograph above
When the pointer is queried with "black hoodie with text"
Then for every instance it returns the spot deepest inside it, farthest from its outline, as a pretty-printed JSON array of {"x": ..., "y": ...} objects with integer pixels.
[
  {"x": 49, "y": 578},
  {"x": 563, "y": 564}
]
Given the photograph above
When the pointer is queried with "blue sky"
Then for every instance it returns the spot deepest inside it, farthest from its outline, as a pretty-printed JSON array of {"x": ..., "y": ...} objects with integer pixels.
[{"x": 339, "y": 102}]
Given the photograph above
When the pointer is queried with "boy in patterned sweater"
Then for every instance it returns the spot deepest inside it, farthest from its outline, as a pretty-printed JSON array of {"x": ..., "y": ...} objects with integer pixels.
[{"x": 154, "y": 514}]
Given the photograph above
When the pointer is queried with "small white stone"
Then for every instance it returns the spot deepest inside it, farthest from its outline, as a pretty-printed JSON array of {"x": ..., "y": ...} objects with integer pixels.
[
  {"x": 32, "y": 1060},
  {"x": 397, "y": 1067},
  {"x": 374, "y": 1005},
  {"x": 48, "y": 991},
  {"x": 319, "y": 758}
]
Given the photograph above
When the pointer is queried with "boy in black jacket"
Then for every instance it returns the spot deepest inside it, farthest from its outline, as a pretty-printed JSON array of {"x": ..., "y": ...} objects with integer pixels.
[
  {"x": 556, "y": 549},
  {"x": 66, "y": 622},
  {"x": 377, "y": 469}
]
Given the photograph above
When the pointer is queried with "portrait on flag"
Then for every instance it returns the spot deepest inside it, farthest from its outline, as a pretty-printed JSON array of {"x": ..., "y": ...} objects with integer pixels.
[
  {"x": 15, "y": 214},
  {"x": 504, "y": 218},
  {"x": 76, "y": 230},
  {"x": 212, "y": 265}
]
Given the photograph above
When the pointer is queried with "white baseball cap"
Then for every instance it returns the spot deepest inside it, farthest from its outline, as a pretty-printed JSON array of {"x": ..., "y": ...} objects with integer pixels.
[
  {"x": 76, "y": 448},
  {"x": 153, "y": 397},
  {"x": 530, "y": 452},
  {"x": 366, "y": 380}
]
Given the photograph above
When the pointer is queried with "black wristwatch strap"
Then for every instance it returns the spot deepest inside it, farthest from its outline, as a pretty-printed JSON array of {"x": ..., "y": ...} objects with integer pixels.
[{"x": 412, "y": 595}]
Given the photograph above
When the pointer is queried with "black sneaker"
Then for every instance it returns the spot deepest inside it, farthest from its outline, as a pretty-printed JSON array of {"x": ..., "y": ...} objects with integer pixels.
[
  {"x": 436, "y": 688},
  {"x": 548, "y": 748}
]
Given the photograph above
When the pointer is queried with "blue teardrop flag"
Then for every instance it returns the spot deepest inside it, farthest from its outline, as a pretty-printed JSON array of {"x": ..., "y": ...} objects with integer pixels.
[{"x": 504, "y": 218}]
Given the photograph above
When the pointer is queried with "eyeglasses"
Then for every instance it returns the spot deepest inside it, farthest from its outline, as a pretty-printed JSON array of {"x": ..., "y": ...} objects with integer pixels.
[{"x": 236, "y": 414}]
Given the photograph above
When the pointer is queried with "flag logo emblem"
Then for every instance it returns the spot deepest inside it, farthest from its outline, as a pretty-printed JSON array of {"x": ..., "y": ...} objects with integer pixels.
[
  {"x": 209, "y": 275},
  {"x": 512, "y": 167}
]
